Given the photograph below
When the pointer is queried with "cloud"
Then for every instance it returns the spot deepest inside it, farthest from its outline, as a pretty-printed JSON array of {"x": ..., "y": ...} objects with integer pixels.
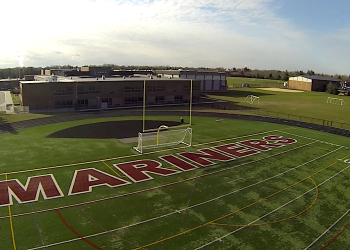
[{"x": 228, "y": 33}]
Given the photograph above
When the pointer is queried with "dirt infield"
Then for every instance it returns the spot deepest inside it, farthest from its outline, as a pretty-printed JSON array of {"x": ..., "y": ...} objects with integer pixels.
[
  {"x": 106, "y": 130},
  {"x": 282, "y": 90}
]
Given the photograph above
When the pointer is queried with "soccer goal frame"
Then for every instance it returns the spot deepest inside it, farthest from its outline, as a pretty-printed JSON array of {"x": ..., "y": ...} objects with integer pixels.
[
  {"x": 251, "y": 99},
  {"x": 163, "y": 137},
  {"x": 336, "y": 101}
]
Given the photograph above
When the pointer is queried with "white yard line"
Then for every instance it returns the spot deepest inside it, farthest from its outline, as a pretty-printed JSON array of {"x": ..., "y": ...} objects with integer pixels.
[
  {"x": 239, "y": 229},
  {"x": 130, "y": 156},
  {"x": 157, "y": 187},
  {"x": 327, "y": 230},
  {"x": 310, "y": 138},
  {"x": 181, "y": 210}
]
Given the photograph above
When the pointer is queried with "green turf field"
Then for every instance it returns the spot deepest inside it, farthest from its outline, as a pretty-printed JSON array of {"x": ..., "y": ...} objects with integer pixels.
[
  {"x": 282, "y": 198},
  {"x": 307, "y": 104},
  {"x": 236, "y": 82}
]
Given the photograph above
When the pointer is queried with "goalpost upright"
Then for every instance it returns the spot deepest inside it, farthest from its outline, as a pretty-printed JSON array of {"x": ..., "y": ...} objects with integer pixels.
[
  {"x": 164, "y": 135},
  {"x": 178, "y": 126}
]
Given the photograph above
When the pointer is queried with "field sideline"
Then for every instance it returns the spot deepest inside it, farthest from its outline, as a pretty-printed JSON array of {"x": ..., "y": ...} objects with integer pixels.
[{"x": 287, "y": 195}]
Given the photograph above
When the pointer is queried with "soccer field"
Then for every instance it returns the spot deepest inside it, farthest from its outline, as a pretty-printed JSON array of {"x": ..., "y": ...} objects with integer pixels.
[{"x": 242, "y": 185}]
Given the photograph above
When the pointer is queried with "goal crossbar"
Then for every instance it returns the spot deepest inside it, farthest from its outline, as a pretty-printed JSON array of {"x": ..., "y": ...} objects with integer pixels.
[
  {"x": 164, "y": 137},
  {"x": 337, "y": 101},
  {"x": 251, "y": 99}
]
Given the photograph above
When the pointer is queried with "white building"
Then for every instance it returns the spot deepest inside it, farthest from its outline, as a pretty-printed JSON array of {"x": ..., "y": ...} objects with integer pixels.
[{"x": 211, "y": 81}]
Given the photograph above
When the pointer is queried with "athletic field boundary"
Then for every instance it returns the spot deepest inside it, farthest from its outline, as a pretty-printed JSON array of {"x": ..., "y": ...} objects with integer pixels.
[{"x": 199, "y": 204}]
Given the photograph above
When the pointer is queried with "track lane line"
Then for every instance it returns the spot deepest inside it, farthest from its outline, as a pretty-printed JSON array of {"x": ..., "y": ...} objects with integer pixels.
[
  {"x": 277, "y": 221},
  {"x": 11, "y": 225},
  {"x": 237, "y": 230},
  {"x": 184, "y": 209},
  {"x": 75, "y": 232},
  {"x": 176, "y": 182}
]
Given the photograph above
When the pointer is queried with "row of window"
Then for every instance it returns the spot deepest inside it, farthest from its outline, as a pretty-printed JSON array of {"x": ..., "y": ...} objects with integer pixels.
[
  {"x": 64, "y": 104},
  {"x": 87, "y": 90},
  {"x": 64, "y": 91},
  {"x": 94, "y": 90},
  {"x": 133, "y": 100},
  {"x": 154, "y": 88},
  {"x": 127, "y": 100}
]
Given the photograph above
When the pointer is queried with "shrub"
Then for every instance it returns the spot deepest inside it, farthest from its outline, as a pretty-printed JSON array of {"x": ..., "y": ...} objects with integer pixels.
[{"x": 331, "y": 89}]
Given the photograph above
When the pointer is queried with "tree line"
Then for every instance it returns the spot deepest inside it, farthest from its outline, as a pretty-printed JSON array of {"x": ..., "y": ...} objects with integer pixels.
[{"x": 17, "y": 72}]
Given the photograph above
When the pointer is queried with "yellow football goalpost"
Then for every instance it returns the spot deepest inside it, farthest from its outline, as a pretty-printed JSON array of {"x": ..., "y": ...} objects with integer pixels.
[
  {"x": 158, "y": 137},
  {"x": 144, "y": 110}
]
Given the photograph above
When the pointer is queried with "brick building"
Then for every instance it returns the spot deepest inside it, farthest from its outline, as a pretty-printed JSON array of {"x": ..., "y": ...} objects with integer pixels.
[{"x": 88, "y": 93}]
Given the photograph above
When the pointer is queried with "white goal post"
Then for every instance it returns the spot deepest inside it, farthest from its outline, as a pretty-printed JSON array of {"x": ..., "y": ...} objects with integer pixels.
[
  {"x": 336, "y": 101},
  {"x": 251, "y": 99},
  {"x": 164, "y": 137}
]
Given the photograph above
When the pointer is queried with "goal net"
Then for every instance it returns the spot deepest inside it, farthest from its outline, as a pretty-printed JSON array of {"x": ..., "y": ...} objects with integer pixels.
[
  {"x": 252, "y": 99},
  {"x": 164, "y": 137},
  {"x": 336, "y": 101}
]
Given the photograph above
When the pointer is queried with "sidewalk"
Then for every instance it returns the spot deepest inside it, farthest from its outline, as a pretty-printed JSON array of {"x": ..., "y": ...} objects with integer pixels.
[{"x": 6, "y": 103}]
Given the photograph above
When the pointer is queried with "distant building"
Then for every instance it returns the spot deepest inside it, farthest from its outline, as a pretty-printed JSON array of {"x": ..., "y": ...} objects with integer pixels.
[
  {"x": 69, "y": 93},
  {"x": 312, "y": 83},
  {"x": 9, "y": 84},
  {"x": 211, "y": 81}
]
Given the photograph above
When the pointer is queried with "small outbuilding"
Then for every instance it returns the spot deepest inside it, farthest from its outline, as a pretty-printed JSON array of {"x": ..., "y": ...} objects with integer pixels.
[{"x": 312, "y": 83}]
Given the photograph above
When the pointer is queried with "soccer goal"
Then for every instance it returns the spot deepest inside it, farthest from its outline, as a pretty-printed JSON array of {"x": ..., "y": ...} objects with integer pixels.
[
  {"x": 336, "y": 101},
  {"x": 252, "y": 99},
  {"x": 164, "y": 137}
]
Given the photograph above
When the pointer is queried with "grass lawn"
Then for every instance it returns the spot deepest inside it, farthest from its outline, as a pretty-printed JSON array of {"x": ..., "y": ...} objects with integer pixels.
[
  {"x": 308, "y": 104},
  {"x": 236, "y": 82},
  {"x": 20, "y": 117},
  {"x": 276, "y": 197},
  {"x": 15, "y": 99}
]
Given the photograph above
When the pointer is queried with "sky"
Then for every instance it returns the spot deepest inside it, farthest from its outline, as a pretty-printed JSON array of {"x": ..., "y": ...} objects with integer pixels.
[{"x": 259, "y": 34}]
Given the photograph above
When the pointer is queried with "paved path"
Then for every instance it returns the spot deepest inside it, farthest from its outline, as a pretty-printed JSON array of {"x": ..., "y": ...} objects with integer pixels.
[{"x": 2, "y": 98}]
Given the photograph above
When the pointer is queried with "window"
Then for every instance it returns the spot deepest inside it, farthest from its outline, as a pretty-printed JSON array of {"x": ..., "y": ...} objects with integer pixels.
[
  {"x": 64, "y": 104},
  {"x": 178, "y": 98},
  {"x": 64, "y": 91},
  {"x": 187, "y": 86},
  {"x": 87, "y": 90},
  {"x": 133, "y": 100},
  {"x": 128, "y": 89},
  {"x": 158, "y": 88},
  {"x": 83, "y": 103},
  {"x": 159, "y": 98},
  {"x": 137, "y": 89},
  {"x": 80, "y": 90},
  {"x": 108, "y": 100},
  {"x": 149, "y": 88}
]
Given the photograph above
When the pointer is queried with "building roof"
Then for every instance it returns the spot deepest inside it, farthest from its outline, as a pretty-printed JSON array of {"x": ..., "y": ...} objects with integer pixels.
[
  {"x": 107, "y": 79},
  {"x": 321, "y": 78}
]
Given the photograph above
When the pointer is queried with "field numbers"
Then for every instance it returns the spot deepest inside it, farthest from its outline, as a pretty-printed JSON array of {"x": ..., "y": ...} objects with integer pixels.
[{"x": 345, "y": 161}]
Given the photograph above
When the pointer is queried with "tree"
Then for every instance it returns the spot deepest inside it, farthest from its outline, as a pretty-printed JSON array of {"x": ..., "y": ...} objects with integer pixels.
[{"x": 331, "y": 89}]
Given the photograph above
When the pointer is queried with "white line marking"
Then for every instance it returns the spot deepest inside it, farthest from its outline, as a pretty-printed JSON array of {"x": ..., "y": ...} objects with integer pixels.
[
  {"x": 177, "y": 211},
  {"x": 235, "y": 180},
  {"x": 327, "y": 230},
  {"x": 239, "y": 229},
  {"x": 130, "y": 156},
  {"x": 165, "y": 185},
  {"x": 310, "y": 138}
]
